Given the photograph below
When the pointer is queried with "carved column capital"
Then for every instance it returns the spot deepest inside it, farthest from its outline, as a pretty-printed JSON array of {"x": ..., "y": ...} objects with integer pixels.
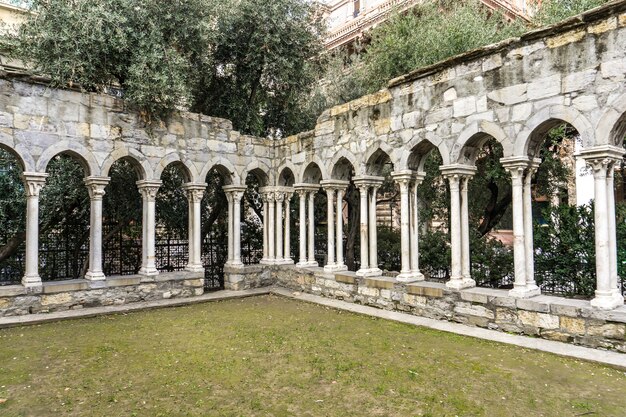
[
  {"x": 149, "y": 189},
  {"x": 195, "y": 191},
  {"x": 96, "y": 186},
  {"x": 34, "y": 182}
]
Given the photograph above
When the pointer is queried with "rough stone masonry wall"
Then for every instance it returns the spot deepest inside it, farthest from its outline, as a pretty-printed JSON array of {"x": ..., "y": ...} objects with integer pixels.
[
  {"x": 553, "y": 318},
  {"x": 76, "y": 294}
]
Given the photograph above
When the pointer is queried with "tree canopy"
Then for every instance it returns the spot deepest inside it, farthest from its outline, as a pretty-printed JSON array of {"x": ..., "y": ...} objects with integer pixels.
[{"x": 231, "y": 59}]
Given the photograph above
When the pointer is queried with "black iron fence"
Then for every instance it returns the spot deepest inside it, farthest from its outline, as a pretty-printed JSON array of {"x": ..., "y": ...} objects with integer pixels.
[
  {"x": 64, "y": 253},
  {"x": 121, "y": 249}
]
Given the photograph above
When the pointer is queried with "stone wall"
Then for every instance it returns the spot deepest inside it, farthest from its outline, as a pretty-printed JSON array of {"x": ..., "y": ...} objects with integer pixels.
[
  {"x": 75, "y": 294},
  {"x": 553, "y": 318}
]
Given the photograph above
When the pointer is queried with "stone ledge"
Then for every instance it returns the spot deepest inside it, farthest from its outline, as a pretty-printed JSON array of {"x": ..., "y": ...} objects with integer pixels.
[
  {"x": 345, "y": 278},
  {"x": 429, "y": 289},
  {"x": 12, "y": 290},
  {"x": 177, "y": 276},
  {"x": 53, "y": 287},
  {"x": 481, "y": 295},
  {"x": 383, "y": 283},
  {"x": 123, "y": 280}
]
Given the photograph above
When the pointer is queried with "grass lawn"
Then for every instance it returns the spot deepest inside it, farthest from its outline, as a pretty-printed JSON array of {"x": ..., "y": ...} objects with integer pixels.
[{"x": 271, "y": 356}]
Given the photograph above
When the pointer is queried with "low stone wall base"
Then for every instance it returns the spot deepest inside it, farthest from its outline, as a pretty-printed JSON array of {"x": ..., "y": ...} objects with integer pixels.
[{"x": 74, "y": 294}]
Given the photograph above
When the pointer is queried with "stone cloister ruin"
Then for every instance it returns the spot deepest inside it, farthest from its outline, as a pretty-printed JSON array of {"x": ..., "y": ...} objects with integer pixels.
[{"x": 513, "y": 92}]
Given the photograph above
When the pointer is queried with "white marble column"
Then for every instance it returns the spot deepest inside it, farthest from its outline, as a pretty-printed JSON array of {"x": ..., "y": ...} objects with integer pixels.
[
  {"x": 529, "y": 244},
  {"x": 364, "y": 230},
  {"x": 302, "y": 241},
  {"x": 312, "y": 261},
  {"x": 340, "y": 265},
  {"x": 403, "y": 179},
  {"x": 330, "y": 222},
  {"x": 465, "y": 254},
  {"x": 601, "y": 159},
  {"x": 95, "y": 187},
  {"x": 459, "y": 240},
  {"x": 414, "y": 206},
  {"x": 610, "y": 194},
  {"x": 265, "y": 227},
  {"x": 287, "y": 248},
  {"x": 519, "y": 244},
  {"x": 373, "y": 231},
  {"x": 271, "y": 233},
  {"x": 33, "y": 183},
  {"x": 231, "y": 241},
  {"x": 195, "y": 192},
  {"x": 237, "y": 196},
  {"x": 280, "y": 198},
  {"x": 148, "y": 190}
]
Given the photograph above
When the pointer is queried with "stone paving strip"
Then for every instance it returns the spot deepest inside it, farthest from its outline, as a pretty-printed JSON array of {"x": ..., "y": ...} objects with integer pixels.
[{"x": 614, "y": 359}]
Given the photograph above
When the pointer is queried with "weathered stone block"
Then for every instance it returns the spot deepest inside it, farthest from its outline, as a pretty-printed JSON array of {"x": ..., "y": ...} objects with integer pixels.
[
  {"x": 538, "y": 320},
  {"x": 416, "y": 289},
  {"x": 509, "y": 95},
  {"x": 603, "y": 26},
  {"x": 564, "y": 39},
  {"x": 545, "y": 87},
  {"x": 346, "y": 279},
  {"x": 56, "y": 299},
  {"x": 379, "y": 283},
  {"x": 464, "y": 106},
  {"x": 474, "y": 310},
  {"x": 616, "y": 68},
  {"x": 610, "y": 330},
  {"x": 533, "y": 304},
  {"x": 572, "y": 325}
]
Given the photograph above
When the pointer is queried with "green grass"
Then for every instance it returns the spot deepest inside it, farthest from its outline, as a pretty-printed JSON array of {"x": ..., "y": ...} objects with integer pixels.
[{"x": 273, "y": 356}]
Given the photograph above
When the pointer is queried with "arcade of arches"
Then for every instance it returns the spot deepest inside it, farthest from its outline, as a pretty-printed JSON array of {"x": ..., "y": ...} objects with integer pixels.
[{"x": 513, "y": 93}]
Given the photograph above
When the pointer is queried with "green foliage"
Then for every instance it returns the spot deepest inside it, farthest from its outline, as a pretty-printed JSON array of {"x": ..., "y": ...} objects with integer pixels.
[
  {"x": 553, "y": 11},
  {"x": 171, "y": 204},
  {"x": 434, "y": 253},
  {"x": 265, "y": 62},
  {"x": 153, "y": 50},
  {"x": 389, "y": 249},
  {"x": 430, "y": 33},
  {"x": 12, "y": 197},
  {"x": 565, "y": 251},
  {"x": 492, "y": 261},
  {"x": 234, "y": 59}
]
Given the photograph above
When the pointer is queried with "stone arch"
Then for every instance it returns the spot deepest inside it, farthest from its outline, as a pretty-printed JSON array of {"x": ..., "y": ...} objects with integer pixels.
[
  {"x": 415, "y": 152},
  {"x": 188, "y": 169},
  {"x": 260, "y": 171},
  {"x": 473, "y": 137},
  {"x": 137, "y": 159},
  {"x": 342, "y": 169},
  {"x": 535, "y": 129},
  {"x": 224, "y": 167},
  {"x": 611, "y": 128},
  {"x": 312, "y": 174},
  {"x": 24, "y": 159},
  {"x": 286, "y": 177},
  {"x": 313, "y": 163},
  {"x": 342, "y": 154},
  {"x": 381, "y": 149},
  {"x": 76, "y": 150},
  {"x": 376, "y": 161}
]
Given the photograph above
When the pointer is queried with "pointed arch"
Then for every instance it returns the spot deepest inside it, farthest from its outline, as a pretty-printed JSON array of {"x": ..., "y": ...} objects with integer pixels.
[
  {"x": 535, "y": 129},
  {"x": 139, "y": 161},
  {"x": 472, "y": 139},
  {"x": 78, "y": 151},
  {"x": 312, "y": 174},
  {"x": 286, "y": 165},
  {"x": 22, "y": 156},
  {"x": 188, "y": 168},
  {"x": 260, "y": 170},
  {"x": 313, "y": 161},
  {"x": 227, "y": 170},
  {"x": 414, "y": 152},
  {"x": 611, "y": 128},
  {"x": 341, "y": 154}
]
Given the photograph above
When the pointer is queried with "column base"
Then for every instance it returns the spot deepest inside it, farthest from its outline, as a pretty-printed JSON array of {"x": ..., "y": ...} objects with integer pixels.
[
  {"x": 148, "y": 271},
  {"x": 369, "y": 272},
  {"x": 307, "y": 264},
  {"x": 460, "y": 283},
  {"x": 30, "y": 281},
  {"x": 95, "y": 276},
  {"x": 267, "y": 261},
  {"x": 335, "y": 268},
  {"x": 194, "y": 268},
  {"x": 235, "y": 264},
  {"x": 410, "y": 277},
  {"x": 525, "y": 291},
  {"x": 283, "y": 262},
  {"x": 608, "y": 301}
]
